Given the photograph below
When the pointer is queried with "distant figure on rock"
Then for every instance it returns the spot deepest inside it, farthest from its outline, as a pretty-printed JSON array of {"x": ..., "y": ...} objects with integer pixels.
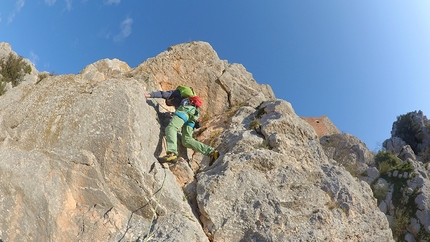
[{"x": 185, "y": 117}]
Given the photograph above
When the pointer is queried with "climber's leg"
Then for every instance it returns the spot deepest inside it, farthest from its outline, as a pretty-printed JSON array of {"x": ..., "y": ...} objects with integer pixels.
[
  {"x": 189, "y": 142},
  {"x": 172, "y": 134}
]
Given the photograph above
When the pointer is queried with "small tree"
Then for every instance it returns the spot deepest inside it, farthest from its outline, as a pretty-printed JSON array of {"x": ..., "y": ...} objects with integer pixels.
[
  {"x": 385, "y": 161},
  {"x": 13, "y": 68},
  {"x": 408, "y": 130}
]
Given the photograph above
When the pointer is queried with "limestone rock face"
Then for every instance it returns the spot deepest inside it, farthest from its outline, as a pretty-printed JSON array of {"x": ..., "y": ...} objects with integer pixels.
[
  {"x": 78, "y": 164},
  {"x": 220, "y": 85},
  {"x": 421, "y": 139},
  {"x": 5, "y": 49},
  {"x": 103, "y": 69},
  {"x": 349, "y": 151},
  {"x": 77, "y": 161},
  {"x": 276, "y": 184},
  {"x": 394, "y": 144}
]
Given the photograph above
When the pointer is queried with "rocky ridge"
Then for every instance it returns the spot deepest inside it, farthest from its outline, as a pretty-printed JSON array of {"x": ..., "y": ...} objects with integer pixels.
[
  {"x": 78, "y": 161},
  {"x": 400, "y": 183}
]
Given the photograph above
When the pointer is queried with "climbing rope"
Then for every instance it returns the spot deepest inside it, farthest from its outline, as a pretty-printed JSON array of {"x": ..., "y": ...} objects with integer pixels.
[
  {"x": 147, "y": 237},
  {"x": 159, "y": 104}
]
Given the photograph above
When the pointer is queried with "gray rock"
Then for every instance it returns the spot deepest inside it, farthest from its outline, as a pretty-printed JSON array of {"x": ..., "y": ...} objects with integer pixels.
[
  {"x": 88, "y": 148},
  {"x": 372, "y": 174},
  {"x": 255, "y": 194},
  {"x": 409, "y": 237},
  {"x": 424, "y": 136},
  {"x": 414, "y": 227},
  {"x": 350, "y": 152},
  {"x": 406, "y": 152},
  {"x": 394, "y": 144},
  {"x": 423, "y": 204},
  {"x": 381, "y": 183},
  {"x": 5, "y": 49},
  {"x": 383, "y": 207}
]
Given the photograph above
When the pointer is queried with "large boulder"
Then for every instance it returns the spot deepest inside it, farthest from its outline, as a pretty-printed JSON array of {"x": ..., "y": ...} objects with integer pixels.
[
  {"x": 276, "y": 184},
  {"x": 78, "y": 164},
  {"x": 5, "y": 49},
  {"x": 350, "y": 152}
]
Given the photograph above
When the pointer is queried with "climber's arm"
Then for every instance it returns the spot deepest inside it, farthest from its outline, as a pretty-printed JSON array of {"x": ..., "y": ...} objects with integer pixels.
[{"x": 161, "y": 94}]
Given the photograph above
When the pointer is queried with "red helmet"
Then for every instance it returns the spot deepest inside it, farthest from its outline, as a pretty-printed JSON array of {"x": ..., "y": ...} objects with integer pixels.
[{"x": 196, "y": 101}]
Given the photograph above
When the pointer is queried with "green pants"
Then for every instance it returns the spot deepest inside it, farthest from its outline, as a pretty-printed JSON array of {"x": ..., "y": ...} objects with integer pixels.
[{"x": 187, "y": 137}]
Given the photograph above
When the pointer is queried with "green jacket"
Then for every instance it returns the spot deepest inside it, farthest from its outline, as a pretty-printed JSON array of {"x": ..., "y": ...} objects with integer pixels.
[{"x": 188, "y": 113}]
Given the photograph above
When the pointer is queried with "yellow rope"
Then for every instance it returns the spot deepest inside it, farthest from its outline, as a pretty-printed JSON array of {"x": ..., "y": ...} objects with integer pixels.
[{"x": 156, "y": 207}]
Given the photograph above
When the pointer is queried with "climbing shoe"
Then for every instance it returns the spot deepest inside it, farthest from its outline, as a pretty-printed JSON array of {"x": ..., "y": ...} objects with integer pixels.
[
  {"x": 213, "y": 155},
  {"x": 170, "y": 157}
]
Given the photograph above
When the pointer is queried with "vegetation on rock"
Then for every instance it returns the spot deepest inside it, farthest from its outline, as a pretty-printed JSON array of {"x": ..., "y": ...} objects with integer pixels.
[
  {"x": 408, "y": 130},
  {"x": 386, "y": 161},
  {"x": 12, "y": 70}
]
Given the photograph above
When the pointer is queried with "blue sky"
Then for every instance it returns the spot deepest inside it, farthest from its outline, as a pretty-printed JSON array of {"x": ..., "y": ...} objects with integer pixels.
[{"x": 361, "y": 63}]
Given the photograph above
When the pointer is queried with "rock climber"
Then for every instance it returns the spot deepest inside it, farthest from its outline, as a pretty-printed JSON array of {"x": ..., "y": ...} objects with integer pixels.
[{"x": 186, "y": 117}]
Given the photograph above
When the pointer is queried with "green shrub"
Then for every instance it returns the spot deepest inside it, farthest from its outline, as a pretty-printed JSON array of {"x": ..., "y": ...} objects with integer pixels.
[
  {"x": 423, "y": 234},
  {"x": 2, "y": 87},
  {"x": 405, "y": 167},
  {"x": 386, "y": 161},
  {"x": 260, "y": 110},
  {"x": 41, "y": 76},
  {"x": 380, "y": 193},
  {"x": 401, "y": 222},
  {"x": 403, "y": 200},
  {"x": 255, "y": 124},
  {"x": 405, "y": 209},
  {"x": 13, "y": 68},
  {"x": 408, "y": 130},
  {"x": 428, "y": 128},
  {"x": 384, "y": 167},
  {"x": 425, "y": 155}
]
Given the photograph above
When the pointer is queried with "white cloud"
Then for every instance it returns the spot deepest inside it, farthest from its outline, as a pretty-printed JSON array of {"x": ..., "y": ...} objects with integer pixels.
[
  {"x": 125, "y": 30},
  {"x": 105, "y": 33},
  {"x": 69, "y": 4},
  {"x": 18, "y": 5},
  {"x": 113, "y": 1},
  {"x": 46, "y": 65},
  {"x": 11, "y": 17},
  {"x": 50, "y": 2},
  {"x": 33, "y": 57}
]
